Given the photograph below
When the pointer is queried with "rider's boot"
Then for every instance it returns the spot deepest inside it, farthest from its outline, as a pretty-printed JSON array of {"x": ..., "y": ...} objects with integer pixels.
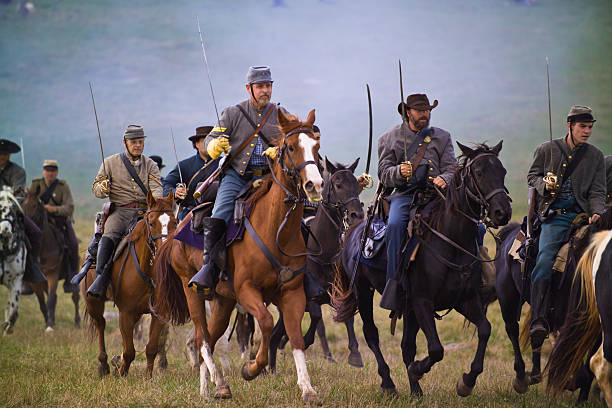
[
  {"x": 393, "y": 296},
  {"x": 539, "y": 329},
  {"x": 104, "y": 272},
  {"x": 214, "y": 257},
  {"x": 314, "y": 291},
  {"x": 92, "y": 250}
]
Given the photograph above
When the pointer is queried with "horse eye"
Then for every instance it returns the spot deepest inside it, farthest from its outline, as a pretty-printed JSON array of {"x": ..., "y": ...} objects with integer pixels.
[{"x": 290, "y": 148}]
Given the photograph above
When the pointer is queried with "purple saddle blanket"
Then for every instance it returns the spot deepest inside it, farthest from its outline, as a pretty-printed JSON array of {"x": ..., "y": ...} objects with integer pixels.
[{"x": 235, "y": 232}]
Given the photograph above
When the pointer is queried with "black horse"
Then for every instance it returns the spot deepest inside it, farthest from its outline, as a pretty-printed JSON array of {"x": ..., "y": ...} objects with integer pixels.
[
  {"x": 508, "y": 284},
  {"x": 340, "y": 200},
  {"x": 445, "y": 273}
]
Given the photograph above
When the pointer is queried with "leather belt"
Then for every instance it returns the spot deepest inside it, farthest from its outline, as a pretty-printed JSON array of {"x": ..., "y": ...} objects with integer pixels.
[{"x": 134, "y": 205}]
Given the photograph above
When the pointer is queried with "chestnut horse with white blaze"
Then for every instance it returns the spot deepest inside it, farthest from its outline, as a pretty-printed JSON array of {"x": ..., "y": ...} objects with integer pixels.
[{"x": 265, "y": 267}]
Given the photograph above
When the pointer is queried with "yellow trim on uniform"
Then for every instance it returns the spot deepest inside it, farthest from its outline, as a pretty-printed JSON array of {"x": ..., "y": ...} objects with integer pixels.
[
  {"x": 218, "y": 129},
  {"x": 99, "y": 179},
  {"x": 152, "y": 177}
]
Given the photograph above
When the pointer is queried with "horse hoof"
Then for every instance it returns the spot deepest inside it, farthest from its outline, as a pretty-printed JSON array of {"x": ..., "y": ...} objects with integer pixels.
[
  {"x": 245, "y": 372},
  {"x": 103, "y": 370},
  {"x": 388, "y": 391},
  {"x": 49, "y": 329},
  {"x": 412, "y": 376},
  {"x": 222, "y": 392},
  {"x": 462, "y": 389},
  {"x": 77, "y": 325},
  {"x": 310, "y": 397},
  {"x": 163, "y": 364},
  {"x": 520, "y": 386},
  {"x": 355, "y": 359}
]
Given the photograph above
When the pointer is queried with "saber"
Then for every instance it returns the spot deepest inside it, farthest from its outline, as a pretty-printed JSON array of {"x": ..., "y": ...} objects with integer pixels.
[
  {"x": 208, "y": 72},
  {"x": 93, "y": 101},
  {"x": 370, "y": 136},
  {"x": 181, "y": 184},
  {"x": 403, "y": 109},
  {"x": 22, "y": 154},
  {"x": 550, "y": 178}
]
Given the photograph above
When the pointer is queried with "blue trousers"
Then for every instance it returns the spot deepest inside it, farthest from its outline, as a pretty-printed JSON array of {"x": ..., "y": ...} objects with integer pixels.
[
  {"x": 399, "y": 216},
  {"x": 229, "y": 188}
]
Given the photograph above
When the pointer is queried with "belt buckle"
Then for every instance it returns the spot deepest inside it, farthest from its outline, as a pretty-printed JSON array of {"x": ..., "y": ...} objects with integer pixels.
[{"x": 258, "y": 172}]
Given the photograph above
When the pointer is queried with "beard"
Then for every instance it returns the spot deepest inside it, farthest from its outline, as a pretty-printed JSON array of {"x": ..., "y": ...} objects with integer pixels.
[
  {"x": 420, "y": 123},
  {"x": 263, "y": 100}
]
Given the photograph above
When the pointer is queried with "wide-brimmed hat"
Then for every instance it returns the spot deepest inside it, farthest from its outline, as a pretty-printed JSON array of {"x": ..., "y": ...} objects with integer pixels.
[
  {"x": 201, "y": 132},
  {"x": 134, "y": 132},
  {"x": 6, "y": 146},
  {"x": 579, "y": 113},
  {"x": 418, "y": 102},
  {"x": 50, "y": 165},
  {"x": 259, "y": 74},
  {"x": 158, "y": 160}
]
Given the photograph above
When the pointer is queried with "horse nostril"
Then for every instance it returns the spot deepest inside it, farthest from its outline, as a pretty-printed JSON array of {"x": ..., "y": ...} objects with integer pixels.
[{"x": 309, "y": 186}]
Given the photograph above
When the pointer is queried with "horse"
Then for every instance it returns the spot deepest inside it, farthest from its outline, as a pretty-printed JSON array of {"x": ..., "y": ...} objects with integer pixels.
[
  {"x": 13, "y": 253},
  {"x": 132, "y": 286},
  {"x": 587, "y": 331},
  {"x": 445, "y": 272},
  {"x": 52, "y": 258},
  {"x": 257, "y": 279},
  {"x": 508, "y": 286},
  {"x": 340, "y": 201}
]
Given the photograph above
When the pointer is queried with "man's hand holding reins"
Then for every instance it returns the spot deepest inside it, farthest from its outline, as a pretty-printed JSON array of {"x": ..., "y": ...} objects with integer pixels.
[
  {"x": 594, "y": 218},
  {"x": 439, "y": 182},
  {"x": 217, "y": 146}
]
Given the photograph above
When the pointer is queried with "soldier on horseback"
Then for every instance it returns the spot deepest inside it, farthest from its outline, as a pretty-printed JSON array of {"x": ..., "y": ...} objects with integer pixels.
[
  {"x": 192, "y": 170},
  {"x": 57, "y": 199},
  {"x": 125, "y": 178},
  {"x": 236, "y": 124},
  {"x": 579, "y": 188},
  {"x": 411, "y": 156}
]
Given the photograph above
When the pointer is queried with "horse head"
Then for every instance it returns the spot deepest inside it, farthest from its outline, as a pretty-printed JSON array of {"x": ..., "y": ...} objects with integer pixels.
[
  {"x": 33, "y": 208},
  {"x": 10, "y": 212},
  {"x": 299, "y": 152},
  {"x": 341, "y": 190},
  {"x": 159, "y": 218},
  {"x": 483, "y": 176}
]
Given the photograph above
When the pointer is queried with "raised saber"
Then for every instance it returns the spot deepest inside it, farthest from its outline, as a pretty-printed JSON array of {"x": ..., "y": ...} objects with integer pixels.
[
  {"x": 208, "y": 72},
  {"x": 403, "y": 108},
  {"x": 370, "y": 135},
  {"x": 22, "y": 154},
  {"x": 550, "y": 178},
  {"x": 181, "y": 184},
  {"x": 93, "y": 101}
]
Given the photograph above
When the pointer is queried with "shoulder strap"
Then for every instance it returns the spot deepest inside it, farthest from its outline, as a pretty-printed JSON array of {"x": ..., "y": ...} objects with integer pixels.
[
  {"x": 248, "y": 118},
  {"x": 413, "y": 147},
  {"x": 418, "y": 157},
  {"x": 133, "y": 173},
  {"x": 46, "y": 196},
  {"x": 572, "y": 163}
]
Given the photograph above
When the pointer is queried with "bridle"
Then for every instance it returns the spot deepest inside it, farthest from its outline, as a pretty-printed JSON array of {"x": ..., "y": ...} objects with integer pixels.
[{"x": 150, "y": 239}]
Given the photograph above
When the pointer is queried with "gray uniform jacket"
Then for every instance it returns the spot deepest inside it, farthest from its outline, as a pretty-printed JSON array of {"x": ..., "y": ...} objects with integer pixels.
[
  {"x": 233, "y": 124},
  {"x": 609, "y": 177},
  {"x": 123, "y": 189},
  {"x": 14, "y": 176},
  {"x": 588, "y": 178},
  {"x": 439, "y": 155}
]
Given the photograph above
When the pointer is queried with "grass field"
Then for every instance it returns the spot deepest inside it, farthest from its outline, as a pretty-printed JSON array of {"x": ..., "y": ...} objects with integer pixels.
[{"x": 60, "y": 369}]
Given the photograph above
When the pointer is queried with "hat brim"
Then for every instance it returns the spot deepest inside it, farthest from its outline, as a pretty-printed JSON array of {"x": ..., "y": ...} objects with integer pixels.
[
  {"x": 260, "y": 81},
  {"x": 9, "y": 147},
  {"x": 417, "y": 107},
  {"x": 49, "y": 168}
]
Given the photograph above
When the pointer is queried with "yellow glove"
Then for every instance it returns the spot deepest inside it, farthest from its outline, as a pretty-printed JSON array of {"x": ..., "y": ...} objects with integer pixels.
[
  {"x": 105, "y": 186},
  {"x": 271, "y": 152},
  {"x": 217, "y": 146}
]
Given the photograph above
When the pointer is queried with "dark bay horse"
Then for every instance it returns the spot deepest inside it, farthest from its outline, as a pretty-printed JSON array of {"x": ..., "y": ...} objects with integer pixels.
[
  {"x": 445, "y": 273},
  {"x": 340, "y": 200},
  {"x": 587, "y": 331},
  {"x": 276, "y": 216},
  {"x": 132, "y": 285},
  {"x": 52, "y": 259},
  {"x": 508, "y": 286}
]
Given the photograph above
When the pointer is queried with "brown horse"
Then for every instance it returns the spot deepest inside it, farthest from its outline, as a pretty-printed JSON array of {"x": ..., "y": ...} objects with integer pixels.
[
  {"x": 52, "y": 258},
  {"x": 257, "y": 279},
  {"x": 132, "y": 285}
]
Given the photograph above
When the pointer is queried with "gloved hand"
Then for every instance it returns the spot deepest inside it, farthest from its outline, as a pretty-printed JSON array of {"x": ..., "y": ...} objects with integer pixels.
[
  {"x": 105, "y": 186},
  {"x": 217, "y": 146},
  {"x": 365, "y": 180},
  {"x": 271, "y": 152}
]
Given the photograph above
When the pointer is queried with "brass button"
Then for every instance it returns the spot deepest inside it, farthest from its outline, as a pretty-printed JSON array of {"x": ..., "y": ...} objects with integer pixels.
[
  {"x": 252, "y": 145},
  {"x": 259, "y": 114},
  {"x": 564, "y": 165},
  {"x": 431, "y": 178},
  {"x": 258, "y": 124},
  {"x": 241, "y": 171},
  {"x": 569, "y": 157},
  {"x": 134, "y": 187},
  {"x": 256, "y": 135},
  {"x": 420, "y": 144},
  {"x": 431, "y": 169},
  {"x": 429, "y": 161},
  {"x": 248, "y": 154},
  {"x": 242, "y": 163},
  {"x": 132, "y": 179}
]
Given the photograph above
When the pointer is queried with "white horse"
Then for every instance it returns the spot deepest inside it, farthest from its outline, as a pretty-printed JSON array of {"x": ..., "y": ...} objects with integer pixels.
[{"x": 13, "y": 253}]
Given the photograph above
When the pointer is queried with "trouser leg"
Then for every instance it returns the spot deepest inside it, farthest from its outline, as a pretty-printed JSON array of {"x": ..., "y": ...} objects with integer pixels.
[{"x": 73, "y": 258}]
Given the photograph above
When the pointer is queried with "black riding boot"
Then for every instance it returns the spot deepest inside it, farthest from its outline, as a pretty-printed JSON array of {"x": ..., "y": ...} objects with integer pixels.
[
  {"x": 393, "y": 296},
  {"x": 92, "y": 251},
  {"x": 314, "y": 291},
  {"x": 539, "y": 329},
  {"x": 214, "y": 257},
  {"x": 104, "y": 272}
]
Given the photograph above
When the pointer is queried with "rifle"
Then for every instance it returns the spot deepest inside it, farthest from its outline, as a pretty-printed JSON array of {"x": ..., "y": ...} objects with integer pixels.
[{"x": 530, "y": 250}]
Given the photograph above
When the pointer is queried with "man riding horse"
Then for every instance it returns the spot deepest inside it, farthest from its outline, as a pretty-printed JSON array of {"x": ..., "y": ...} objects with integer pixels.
[
  {"x": 125, "y": 178},
  {"x": 236, "y": 124},
  {"x": 410, "y": 156},
  {"x": 57, "y": 199},
  {"x": 580, "y": 187}
]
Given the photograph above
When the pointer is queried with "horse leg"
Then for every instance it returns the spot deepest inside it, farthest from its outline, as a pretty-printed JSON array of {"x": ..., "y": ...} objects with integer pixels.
[
  {"x": 424, "y": 313},
  {"x": 51, "y": 301},
  {"x": 197, "y": 311},
  {"x": 277, "y": 334},
  {"x": 221, "y": 312},
  {"x": 602, "y": 368},
  {"x": 474, "y": 312},
  {"x": 156, "y": 334},
  {"x": 323, "y": 339},
  {"x": 39, "y": 290},
  {"x": 354, "y": 358},
  {"x": 11, "y": 311},
  {"x": 535, "y": 375},
  {"x": 314, "y": 310},
  {"x": 77, "y": 316},
  {"x": 508, "y": 303},
  {"x": 126, "y": 326},
  {"x": 293, "y": 304},
  {"x": 192, "y": 350},
  {"x": 370, "y": 332},
  {"x": 411, "y": 328},
  {"x": 222, "y": 350},
  {"x": 95, "y": 310}
]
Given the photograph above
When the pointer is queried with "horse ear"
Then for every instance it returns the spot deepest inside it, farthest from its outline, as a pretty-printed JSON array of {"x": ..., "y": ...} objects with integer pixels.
[
  {"x": 282, "y": 119},
  {"x": 465, "y": 150},
  {"x": 150, "y": 199},
  {"x": 353, "y": 166},
  {"x": 329, "y": 166},
  {"x": 310, "y": 120},
  {"x": 496, "y": 149},
  {"x": 170, "y": 194}
]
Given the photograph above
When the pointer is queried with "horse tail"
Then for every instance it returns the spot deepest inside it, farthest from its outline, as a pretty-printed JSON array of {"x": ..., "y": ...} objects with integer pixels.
[
  {"x": 170, "y": 302},
  {"x": 342, "y": 297},
  {"x": 89, "y": 326},
  {"x": 582, "y": 325},
  {"x": 524, "y": 340}
]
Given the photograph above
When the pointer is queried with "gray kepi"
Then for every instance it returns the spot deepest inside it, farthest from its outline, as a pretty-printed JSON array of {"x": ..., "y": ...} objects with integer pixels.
[
  {"x": 134, "y": 132},
  {"x": 579, "y": 113},
  {"x": 258, "y": 75}
]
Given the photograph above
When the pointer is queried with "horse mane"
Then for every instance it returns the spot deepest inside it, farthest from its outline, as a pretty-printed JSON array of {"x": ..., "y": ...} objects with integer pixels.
[{"x": 506, "y": 230}]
